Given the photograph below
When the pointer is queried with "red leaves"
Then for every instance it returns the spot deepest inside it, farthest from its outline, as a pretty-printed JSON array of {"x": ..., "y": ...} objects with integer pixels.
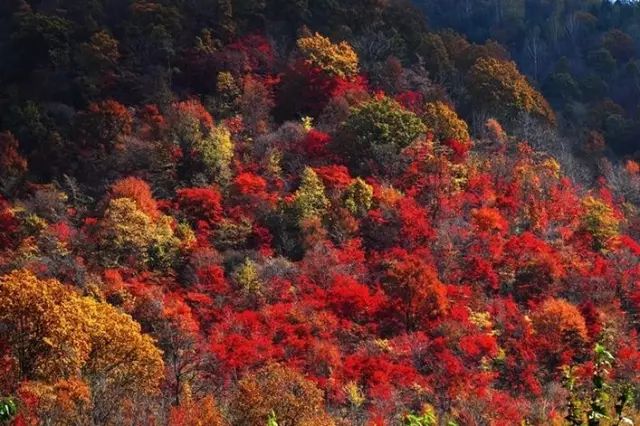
[
  {"x": 250, "y": 184},
  {"x": 349, "y": 87},
  {"x": 352, "y": 300},
  {"x": 356, "y": 299},
  {"x": 11, "y": 162},
  {"x": 200, "y": 204},
  {"x": 334, "y": 176},
  {"x": 152, "y": 123},
  {"x": 561, "y": 330},
  {"x": 211, "y": 280},
  {"x": 176, "y": 310},
  {"x": 194, "y": 109},
  {"x": 628, "y": 359},
  {"x": 256, "y": 51},
  {"x": 489, "y": 219},
  {"x": 306, "y": 89},
  {"x": 460, "y": 149},
  {"x": 139, "y": 191},
  {"x": 413, "y": 101},
  {"x": 416, "y": 228},
  {"x": 315, "y": 144},
  {"x": 380, "y": 374},
  {"x": 242, "y": 341},
  {"x": 8, "y": 225},
  {"x": 106, "y": 122},
  {"x": 416, "y": 292},
  {"x": 478, "y": 346},
  {"x": 536, "y": 266},
  {"x": 401, "y": 223}
]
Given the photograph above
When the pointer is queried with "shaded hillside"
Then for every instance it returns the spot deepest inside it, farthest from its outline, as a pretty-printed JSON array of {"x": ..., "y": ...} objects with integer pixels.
[{"x": 583, "y": 54}]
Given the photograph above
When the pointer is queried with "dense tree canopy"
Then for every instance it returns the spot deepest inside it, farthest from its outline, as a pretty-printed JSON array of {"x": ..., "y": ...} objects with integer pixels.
[
  {"x": 319, "y": 213},
  {"x": 498, "y": 86}
]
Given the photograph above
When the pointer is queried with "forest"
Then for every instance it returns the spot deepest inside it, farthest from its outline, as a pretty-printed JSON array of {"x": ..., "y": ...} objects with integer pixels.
[{"x": 319, "y": 212}]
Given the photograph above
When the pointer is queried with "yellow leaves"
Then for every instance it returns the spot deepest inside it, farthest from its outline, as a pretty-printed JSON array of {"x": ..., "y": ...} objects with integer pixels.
[
  {"x": 247, "y": 277},
  {"x": 358, "y": 197},
  {"x": 126, "y": 232},
  {"x": 122, "y": 358},
  {"x": 334, "y": 59},
  {"x": 497, "y": 85},
  {"x": 225, "y": 82},
  {"x": 383, "y": 345},
  {"x": 310, "y": 199},
  {"x": 164, "y": 246},
  {"x": 481, "y": 320},
  {"x": 42, "y": 317},
  {"x": 57, "y": 335},
  {"x": 552, "y": 166},
  {"x": 216, "y": 151},
  {"x": 34, "y": 223},
  {"x": 102, "y": 50},
  {"x": 274, "y": 164},
  {"x": 459, "y": 176},
  {"x": 600, "y": 221},
  {"x": 354, "y": 394},
  {"x": 444, "y": 123},
  {"x": 307, "y": 123}
]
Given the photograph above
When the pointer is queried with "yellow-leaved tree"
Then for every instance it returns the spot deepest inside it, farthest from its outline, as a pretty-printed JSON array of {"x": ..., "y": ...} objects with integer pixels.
[
  {"x": 124, "y": 363},
  {"x": 358, "y": 197},
  {"x": 129, "y": 235},
  {"x": 57, "y": 337},
  {"x": 600, "y": 221},
  {"x": 310, "y": 199},
  {"x": 444, "y": 123},
  {"x": 498, "y": 87},
  {"x": 334, "y": 59},
  {"x": 43, "y": 326}
]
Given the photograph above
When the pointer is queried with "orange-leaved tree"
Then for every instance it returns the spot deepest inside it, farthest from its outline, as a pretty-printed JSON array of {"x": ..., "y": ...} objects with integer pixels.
[
  {"x": 54, "y": 334},
  {"x": 276, "y": 389},
  {"x": 334, "y": 59}
]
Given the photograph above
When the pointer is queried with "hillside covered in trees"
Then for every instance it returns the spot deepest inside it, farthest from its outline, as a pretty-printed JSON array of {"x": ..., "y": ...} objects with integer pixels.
[
  {"x": 319, "y": 212},
  {"x": 583, "y": 54}
]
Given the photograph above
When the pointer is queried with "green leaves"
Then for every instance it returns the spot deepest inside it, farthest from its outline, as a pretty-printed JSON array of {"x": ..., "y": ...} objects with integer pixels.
[
  {"x": 595, "y": 403},
  {"x": 358, "y": 197},
  {"x": 272, "y": 421},
  {"x": 384, "y": 122},
  {"x": 601, "y": 389},
  {"x": 310, "y": 199},
  {"x": 377, "y": 131},
  {"x": 427, "y": 419},
  {"x": 8, "y": 410}
]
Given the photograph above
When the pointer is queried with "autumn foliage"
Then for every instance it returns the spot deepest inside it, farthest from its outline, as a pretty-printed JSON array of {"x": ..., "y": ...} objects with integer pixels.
[{"x": 307, "y": 214}]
